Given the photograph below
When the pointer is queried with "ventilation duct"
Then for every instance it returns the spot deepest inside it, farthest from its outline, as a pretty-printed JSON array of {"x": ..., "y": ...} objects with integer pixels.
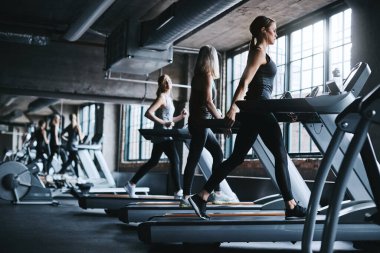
[
  {"x": 41, "y": 103},
  {"x": 12, "y": 115},
  {"x": 179, "y": 19},
  {"x": 87, "y": 19},
  {"x": 124, "y": 55}
]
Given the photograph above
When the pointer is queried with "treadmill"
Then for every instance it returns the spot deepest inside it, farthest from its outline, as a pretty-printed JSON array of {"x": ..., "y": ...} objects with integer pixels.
[
  {"x": 356, "y": 119},
  {"x": 113, "y": 201},
  {"x": 138, "y": 212},
  {"x": 352, "y": 223},
  {"x": 143, "y": 211}
]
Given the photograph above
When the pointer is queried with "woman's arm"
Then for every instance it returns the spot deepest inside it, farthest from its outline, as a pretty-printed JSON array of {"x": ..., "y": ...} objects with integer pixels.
[
  {"x": 44, "y": 135},
  {"x": 256, "y": 58},
  {"x": 80, "y": 133},
  {"x": 150, "y": 113},
  {"x": 56, "y": 134},
  {"x": 181, "y": 116}
]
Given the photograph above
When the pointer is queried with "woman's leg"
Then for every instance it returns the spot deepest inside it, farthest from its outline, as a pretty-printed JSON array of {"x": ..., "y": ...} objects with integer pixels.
[
  {"x": 245, "y": 138},
  {"x": 53, "y": 151},
  {"x": 271, "y": 135},
  {"x": 198, "y": 139},
  {"x": 212, "y": 145},
  {"x": 153, "y": 161},
  {"x": 70, "y": 159},
  {"x": 171, "y": 152},
  {"x": 74, "y": 157}
]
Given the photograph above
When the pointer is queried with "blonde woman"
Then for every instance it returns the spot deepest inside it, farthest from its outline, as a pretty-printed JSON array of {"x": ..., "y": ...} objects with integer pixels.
[
  {"x": 161, "y": 113},
  {"x": 202, "y": 107}
]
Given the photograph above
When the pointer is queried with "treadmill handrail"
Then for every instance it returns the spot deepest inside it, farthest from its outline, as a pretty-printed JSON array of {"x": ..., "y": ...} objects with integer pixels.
[
  {"x": 325, "y": 104},
  {"x": 370, "y": 104},
  {"x": 359, "y": 139}
]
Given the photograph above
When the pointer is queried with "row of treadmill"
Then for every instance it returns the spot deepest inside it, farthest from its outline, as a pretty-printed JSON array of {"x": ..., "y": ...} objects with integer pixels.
[{"x": 338, "y": 125}]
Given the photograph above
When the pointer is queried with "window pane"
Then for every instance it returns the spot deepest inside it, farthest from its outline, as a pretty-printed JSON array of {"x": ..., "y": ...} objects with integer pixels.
[
  {"x": 317, "y": 77},
  {"x": 294, "y": 138},
  {"x": 306, "y": 72},
  {"x": 279, "y": 82},
  {"x": 295, "y": 76},
  {"x": 307, "y": 39},
  {"x": 92, "y": 118},
  {"x": 336, "y": 30},
  {"x": 347, "y": 56},
  {"x": 318, "y": 37},
  {"x": 295, "y": 46},
  {"x": 133, "y": 134},
  {"x": 281, "y": 54},
  {"x": 347, "y": 26}
]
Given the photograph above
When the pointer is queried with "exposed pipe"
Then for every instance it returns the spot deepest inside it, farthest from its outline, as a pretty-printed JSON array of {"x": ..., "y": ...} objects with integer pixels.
[
  {"x": 87, "y": 19},
  {"x": 120, "y": 78},
  {"x": 180, "y": 19},
  {"x": 185, "y": 50}
]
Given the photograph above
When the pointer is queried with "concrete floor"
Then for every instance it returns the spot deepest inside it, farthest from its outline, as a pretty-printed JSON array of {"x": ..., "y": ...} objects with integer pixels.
[{"x": 67, "y": 228}]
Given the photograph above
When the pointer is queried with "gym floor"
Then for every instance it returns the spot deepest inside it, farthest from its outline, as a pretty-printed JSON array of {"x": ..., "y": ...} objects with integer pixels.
[{"x": 67, "y": 228}]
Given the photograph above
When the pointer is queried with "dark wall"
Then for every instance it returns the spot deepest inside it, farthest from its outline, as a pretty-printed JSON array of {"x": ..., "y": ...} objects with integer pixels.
[
  {"x": 72, "y": 70},
  {"x": 365, "y": 47}
]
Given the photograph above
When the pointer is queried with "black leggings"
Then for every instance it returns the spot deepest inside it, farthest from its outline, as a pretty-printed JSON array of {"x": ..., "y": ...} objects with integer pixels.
[
  {"x": 167, "y": 147},
  {"x": 73, "y": 157},
  {"x": 201, "y": 138},
  {"x": 267, "y": 126}
]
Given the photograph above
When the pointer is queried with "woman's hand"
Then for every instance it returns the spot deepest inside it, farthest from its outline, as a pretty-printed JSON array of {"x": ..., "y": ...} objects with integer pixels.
[
  {"x": 169, "y": 124},
  {"x": 227, "y": 132},
  {"x": 230, "y": 118},
  {"x": 184, "y": 113}
]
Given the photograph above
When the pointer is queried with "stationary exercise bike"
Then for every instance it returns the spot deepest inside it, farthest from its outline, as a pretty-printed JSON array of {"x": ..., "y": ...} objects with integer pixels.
[{"x": 20, "y": 184}]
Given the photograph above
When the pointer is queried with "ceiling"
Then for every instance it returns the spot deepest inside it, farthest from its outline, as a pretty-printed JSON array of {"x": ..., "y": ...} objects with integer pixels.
[
  {"x": 54, "y": 18},
  {"x": 41, "y": 21}
]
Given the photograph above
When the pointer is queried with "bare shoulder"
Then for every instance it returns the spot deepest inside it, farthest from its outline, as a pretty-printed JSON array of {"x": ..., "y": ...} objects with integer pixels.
[
  {"x": 257, "y": 50},
  {"x": 258, "y": 53}
]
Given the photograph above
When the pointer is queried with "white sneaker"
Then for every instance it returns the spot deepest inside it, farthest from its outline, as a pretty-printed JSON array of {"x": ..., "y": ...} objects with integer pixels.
[
  {"x": 131, "y": 189},
  {"x": 221, "y": 198},
  {"x": 184, "y": 203},
  {"x": 178, "y": 194}
]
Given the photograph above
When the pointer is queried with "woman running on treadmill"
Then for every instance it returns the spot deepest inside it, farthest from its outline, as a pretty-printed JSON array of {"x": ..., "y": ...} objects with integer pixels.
[
  {"x": 73, "y": 134},
  {"x": 42, "y": 148},
  {"x": 202, "y": 107},
  {"x": 161, "y": 113},
  {"x": 257, "y": 84},
  {"x": 55, "y": 141}
]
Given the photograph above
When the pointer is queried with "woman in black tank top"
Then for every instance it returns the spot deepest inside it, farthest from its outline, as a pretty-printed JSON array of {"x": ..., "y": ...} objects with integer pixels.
[
  {"x": 258, "y": 79},
  {"x": 202, "y": 107}
]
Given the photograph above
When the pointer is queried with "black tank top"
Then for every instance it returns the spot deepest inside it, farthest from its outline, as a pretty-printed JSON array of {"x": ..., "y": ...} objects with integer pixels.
[
  {"x": 40, "y": 139},
  {"x": 261, "y": 86},
  {"x": 197, "y": 105}
]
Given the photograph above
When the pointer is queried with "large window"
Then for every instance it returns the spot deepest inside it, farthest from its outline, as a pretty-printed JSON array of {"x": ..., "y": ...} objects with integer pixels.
[
  {"x": 306, "y": 57},
  {"x": 135, "y": 146},
  {"x": 91, "y": 121}
]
